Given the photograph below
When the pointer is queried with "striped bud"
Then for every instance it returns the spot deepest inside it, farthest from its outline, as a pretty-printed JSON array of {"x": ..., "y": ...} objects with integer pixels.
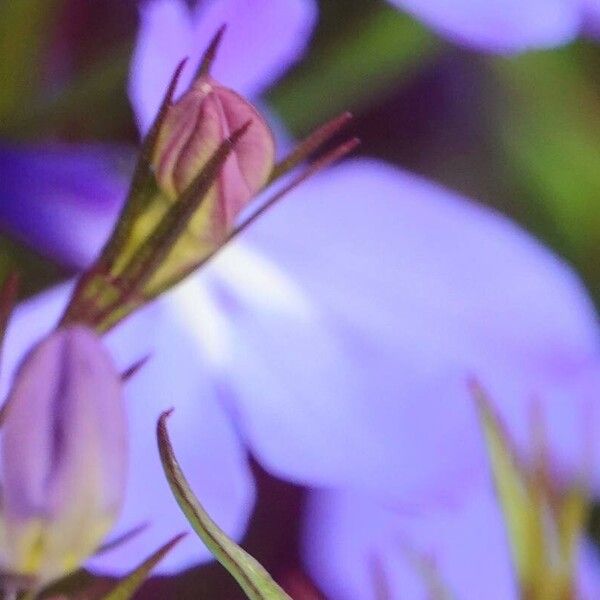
[
  {"x": 193, "y": 129},
  {"x": 63, "y": 456}
]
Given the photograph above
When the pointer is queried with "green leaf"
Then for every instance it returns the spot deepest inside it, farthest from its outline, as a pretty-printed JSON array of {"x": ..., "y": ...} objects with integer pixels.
[
  {"x": 512, "y": 488},
  {"x": 545, "y": 520},
  {"x": 249, "y": 573},
  {"x": 365, "y": 58},
  {"x": 126, "y": 587}
]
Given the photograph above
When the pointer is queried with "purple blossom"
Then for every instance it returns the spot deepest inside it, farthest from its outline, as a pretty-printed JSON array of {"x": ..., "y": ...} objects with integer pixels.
[
  {"x": 335, "y": 339},
  {"x": 64, "y": 456},
  {"x": 373, "y": 409},
  {"x": 507, "y": 26}
]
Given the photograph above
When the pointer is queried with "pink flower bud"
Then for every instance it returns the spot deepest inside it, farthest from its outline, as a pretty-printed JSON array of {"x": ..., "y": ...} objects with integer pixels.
[
  {"x": 64, "y": 456},
  {"x": 192, "y": 130}
]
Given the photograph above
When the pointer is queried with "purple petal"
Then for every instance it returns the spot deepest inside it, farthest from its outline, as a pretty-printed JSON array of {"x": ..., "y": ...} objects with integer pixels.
[
  {"x": 500, "y": 25},
  {"x": 262, "y": 40},
  {"x": 588, "y": 572},
  {"x": 354, "y": 546},
  {"x": 352, "y": 344},
  {"x": 62, "y": 199},
  {"x": 206, "y": 445},
  {"x": 592, "y": 17},
  {"x": 165, "y": 38}
]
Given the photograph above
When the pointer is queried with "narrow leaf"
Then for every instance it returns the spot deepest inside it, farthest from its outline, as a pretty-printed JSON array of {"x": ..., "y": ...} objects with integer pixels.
[
  {"x": 309, "y": 145},
  {"x": 122, "y": 539},
  {"x": 322, "y": 163},
  {"x": 318, "y": 165},
  {"x": 210, "y": 53},
  {"x": 511, "y": 485},
  {"x": 134, "y": 368},
  {"x": 249, "y": 573},
  {"x": 126, "y": 587},
  {"x": 143, "y": 178},
  {"x": 155, "y": 249}
]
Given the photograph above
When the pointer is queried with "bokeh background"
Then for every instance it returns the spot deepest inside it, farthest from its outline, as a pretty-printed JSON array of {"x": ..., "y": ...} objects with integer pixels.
[{"x": 519, "y": 133}]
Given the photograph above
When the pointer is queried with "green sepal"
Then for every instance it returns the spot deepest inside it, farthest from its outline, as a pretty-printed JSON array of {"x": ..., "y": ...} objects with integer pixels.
[
  {"x": 249, "y": 573},
  {"x": 143, "y": 188},
  {"x": 126, "y": 587},
  {"x": 309, "y": 145},
  {"x": 110, "y": 291},
  {"x": 545, "y": 522}
]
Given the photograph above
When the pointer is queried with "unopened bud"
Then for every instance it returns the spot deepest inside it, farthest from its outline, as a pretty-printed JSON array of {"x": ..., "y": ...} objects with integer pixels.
[
  {"x": 64, "y": 456},
  {"x": 193, "y": 129},
  {"x": 206, "y": 156}
]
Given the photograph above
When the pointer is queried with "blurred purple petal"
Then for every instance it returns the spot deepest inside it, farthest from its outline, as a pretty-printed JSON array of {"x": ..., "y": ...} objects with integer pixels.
[
  {"x": 165, "y": 37},
  {"x": 500, "y": 25},
  {"x": 350, "y": 347},
  {"x": 206, "y": 445},
  {"x": 592, "y": 17},
  {"x": 354, "y": 546},
  {"x": 62, "y": 199},
  {"x": 262, "y": 40}
]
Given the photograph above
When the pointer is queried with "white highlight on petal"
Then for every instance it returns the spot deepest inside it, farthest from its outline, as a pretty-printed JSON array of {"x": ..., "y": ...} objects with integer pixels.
[{"x": 235, "y": 278}]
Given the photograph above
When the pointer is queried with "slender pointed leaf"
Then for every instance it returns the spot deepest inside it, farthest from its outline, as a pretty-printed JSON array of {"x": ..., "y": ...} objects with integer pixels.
[
  {"x": 121, "y": 539},
  {"x": 309, "y": 145},
  {"x": 320, "y": 164},
  {"x": 210, "y": 53},
  {"x": 126, "y": 587},
  {"x": 143, "y": 184},
  {"x": 249, "y": 573},
  {"x": 511, "y": 485}
]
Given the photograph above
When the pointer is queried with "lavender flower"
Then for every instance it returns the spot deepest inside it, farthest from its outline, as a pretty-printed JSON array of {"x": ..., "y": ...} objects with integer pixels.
[
  {"x": 63, "y": 456},
  {"x": 507, "y": 26},
  {"x": 335, "y": 339},
  {"x": 373, "y": 409}
]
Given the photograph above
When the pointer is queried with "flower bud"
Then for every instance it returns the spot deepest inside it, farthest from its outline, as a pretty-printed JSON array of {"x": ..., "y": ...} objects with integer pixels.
[
  {"x": 193, "y": 129},
  {"x": 63, "y": 456},
  {"x": 204, "y": 159}
]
